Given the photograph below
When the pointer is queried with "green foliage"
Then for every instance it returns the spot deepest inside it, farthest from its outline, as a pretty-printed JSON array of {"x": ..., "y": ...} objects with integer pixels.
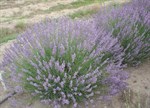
[
  {"x": 130, "y": 41},
  {"x": 20, "y": 26},
  {"x": 73, "y": 5},
  {"x": 84, "y": 13},
  {"x": 81, "y": 55},
  {"x": 6, "y": 34}
]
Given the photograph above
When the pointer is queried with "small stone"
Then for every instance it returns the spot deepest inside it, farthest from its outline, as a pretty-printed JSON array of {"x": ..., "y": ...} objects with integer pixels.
[
  {"x": 146, "y": 87},
  {"x": 134, "y": 81}
]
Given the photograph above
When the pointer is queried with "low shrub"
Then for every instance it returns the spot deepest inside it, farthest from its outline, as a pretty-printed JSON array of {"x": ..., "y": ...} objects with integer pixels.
[
  {"x": 64, "y": 62},
  {"x": 131, "y": 25}
]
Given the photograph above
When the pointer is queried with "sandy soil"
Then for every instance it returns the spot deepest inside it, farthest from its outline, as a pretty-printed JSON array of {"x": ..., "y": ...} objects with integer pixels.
[
  {"x": 139, "y": 83},
  {"x": 140, "y": 74}
]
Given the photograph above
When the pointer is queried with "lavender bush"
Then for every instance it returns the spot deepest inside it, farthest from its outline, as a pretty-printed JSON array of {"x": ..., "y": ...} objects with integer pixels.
[
  {"x": 64, "y": 62},
  {"x": 131, "y": 25}
]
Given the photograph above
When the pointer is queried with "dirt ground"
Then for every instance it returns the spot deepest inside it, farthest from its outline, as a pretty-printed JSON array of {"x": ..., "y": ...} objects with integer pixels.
[
  {"x": 31, "y": 11},
  {"x": 26, "y": 11},
  {"x": 139, "y": 79}
]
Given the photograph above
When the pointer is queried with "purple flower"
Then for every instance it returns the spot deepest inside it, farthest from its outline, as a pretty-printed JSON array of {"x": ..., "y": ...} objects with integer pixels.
[{"x": 73, "y": 57}]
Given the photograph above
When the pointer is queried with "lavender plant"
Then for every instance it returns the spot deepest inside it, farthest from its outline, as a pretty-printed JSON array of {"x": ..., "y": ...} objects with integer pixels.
[
  {"x": 131, "y": 25},
  {"x": 63, "y": 62}
]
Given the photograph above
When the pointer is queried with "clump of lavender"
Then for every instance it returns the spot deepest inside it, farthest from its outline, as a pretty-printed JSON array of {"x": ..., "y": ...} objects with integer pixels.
[
  {"x": 131, "y": 25},
  {"x": 63, "y": 62}
]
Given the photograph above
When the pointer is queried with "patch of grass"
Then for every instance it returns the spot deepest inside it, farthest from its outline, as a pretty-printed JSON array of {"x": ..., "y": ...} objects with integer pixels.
[
  {"x": 20, "y": 26},
  {"x": 45, "y": 0},
  {"x": 59, "y": 7},
  {"x": 8, "y": 34},
  {"x": 89, "y": 12},
  {"x": 73, "y": 5},
  {"x": 8, "y": 37},
  {"x": 83, "y": 13},
  {"x": 7, "y": 19}
]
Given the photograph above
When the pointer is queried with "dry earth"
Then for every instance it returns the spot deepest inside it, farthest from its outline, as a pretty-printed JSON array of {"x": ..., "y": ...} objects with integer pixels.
[
  {"x": 10, "y": 15},
  {"x": 33, "y": 12}
]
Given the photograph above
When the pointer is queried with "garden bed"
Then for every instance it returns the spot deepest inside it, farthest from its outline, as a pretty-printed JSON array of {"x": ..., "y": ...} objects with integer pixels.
[{"x": 76, "y": 62}]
